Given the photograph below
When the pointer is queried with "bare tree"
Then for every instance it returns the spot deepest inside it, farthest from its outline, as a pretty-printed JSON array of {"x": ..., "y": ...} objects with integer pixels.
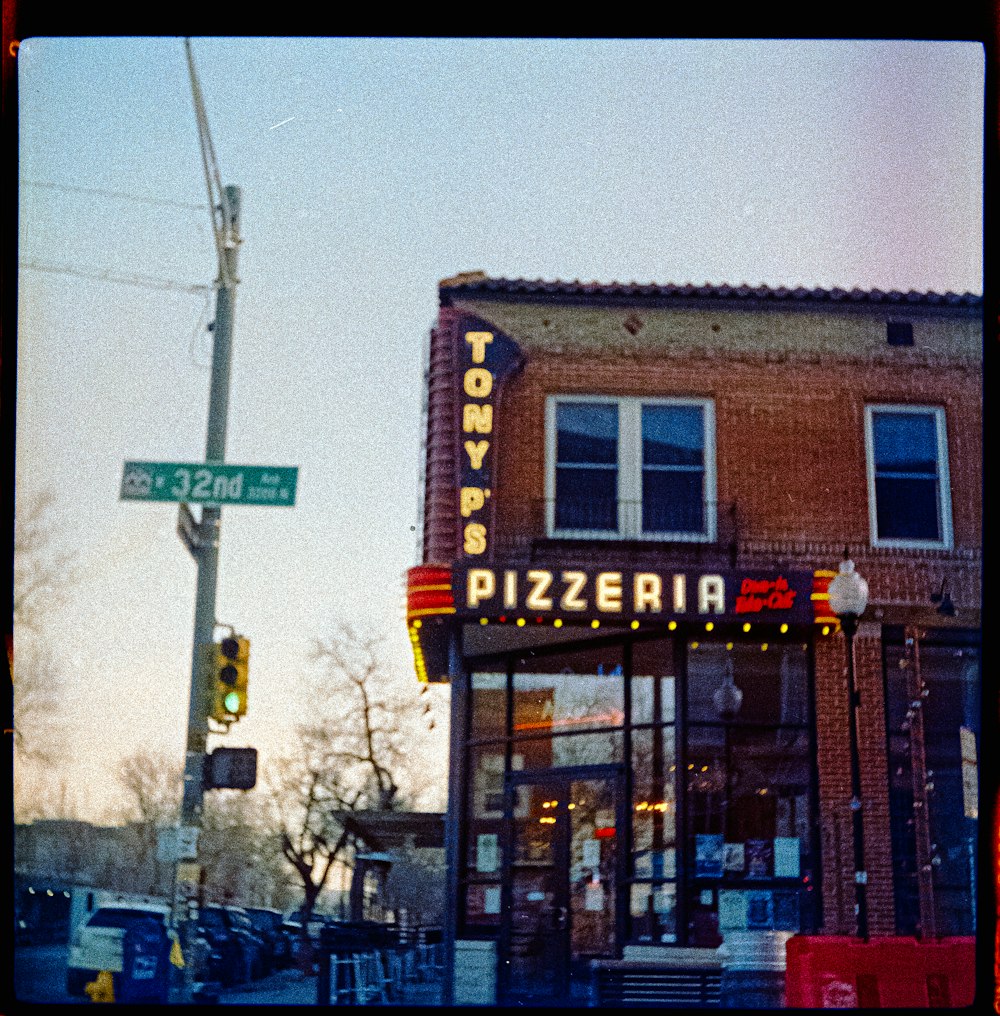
[
  {"x": 240, "y": 852},
  {"x": 152, "y": 786},
  {"x": 42, "y": 574},
  {"x": 42, "y": 577},
  {"x": 352, "y": 757}
]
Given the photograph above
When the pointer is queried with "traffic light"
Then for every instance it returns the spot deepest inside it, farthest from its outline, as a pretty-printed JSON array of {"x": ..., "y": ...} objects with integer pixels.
[{"x": 231, "y": 661}]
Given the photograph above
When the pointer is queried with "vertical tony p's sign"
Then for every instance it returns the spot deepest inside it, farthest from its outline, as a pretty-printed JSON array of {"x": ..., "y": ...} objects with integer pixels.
[{"x": 485, "y": 358}]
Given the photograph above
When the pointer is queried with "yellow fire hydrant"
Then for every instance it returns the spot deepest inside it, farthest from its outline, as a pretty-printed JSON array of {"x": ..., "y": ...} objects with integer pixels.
[{"x": 102, "y": 989}]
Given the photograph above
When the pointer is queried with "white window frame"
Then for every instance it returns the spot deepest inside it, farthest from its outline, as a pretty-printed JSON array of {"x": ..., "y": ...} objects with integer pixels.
[
  {"x": 943, "y": 478},
  {"x": 630, "y": 468}
]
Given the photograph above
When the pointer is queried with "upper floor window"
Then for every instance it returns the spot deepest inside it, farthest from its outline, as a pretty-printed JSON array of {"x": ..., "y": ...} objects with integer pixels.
[
  {"x": 908, "y": 488},
  {"x": 630, "y": 468}
]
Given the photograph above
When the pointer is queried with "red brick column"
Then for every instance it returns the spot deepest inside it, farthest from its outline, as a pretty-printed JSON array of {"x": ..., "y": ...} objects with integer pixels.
[
  {"x": 834, "y": 767},
  {"x": 874, "y": 778}
]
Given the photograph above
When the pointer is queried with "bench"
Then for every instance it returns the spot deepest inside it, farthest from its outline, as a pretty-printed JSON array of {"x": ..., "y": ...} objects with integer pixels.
[{"x": 655, "y": 978}]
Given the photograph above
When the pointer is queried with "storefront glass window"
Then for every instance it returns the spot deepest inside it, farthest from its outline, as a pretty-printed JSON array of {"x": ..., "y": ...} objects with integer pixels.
[
  {"x": 489, "y": 705},
  {"x": 939, "y": 775},
  {"x": 653, "y": 912},
  {"x": 772, "y": 678},
  {"x": 748, "y": 780},
  {"x": 652, "y": 681}
]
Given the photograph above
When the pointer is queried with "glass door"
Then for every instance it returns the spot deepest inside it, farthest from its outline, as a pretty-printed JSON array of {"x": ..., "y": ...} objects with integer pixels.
[{"x": 562, "y": 879}]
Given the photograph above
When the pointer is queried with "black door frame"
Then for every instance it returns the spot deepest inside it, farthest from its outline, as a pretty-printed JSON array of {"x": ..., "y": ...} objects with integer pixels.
[{"x": 614, "y": 773}]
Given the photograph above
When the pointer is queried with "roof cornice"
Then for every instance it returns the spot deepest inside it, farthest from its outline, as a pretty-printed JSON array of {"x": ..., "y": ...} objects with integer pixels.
[{"x": 476, "y": 285}]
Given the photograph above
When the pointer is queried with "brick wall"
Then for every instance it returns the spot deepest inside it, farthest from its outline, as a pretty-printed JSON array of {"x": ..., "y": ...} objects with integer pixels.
[
  {"x": 790, "y": 456},
  {"x": 790, "y": 446}
]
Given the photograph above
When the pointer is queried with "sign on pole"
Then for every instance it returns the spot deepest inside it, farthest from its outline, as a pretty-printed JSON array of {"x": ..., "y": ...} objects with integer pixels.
[{"x": 212, "y": 483}]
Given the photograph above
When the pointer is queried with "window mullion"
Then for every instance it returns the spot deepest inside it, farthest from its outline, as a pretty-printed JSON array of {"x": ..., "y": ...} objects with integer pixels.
[{"x": 630, "y": 467}]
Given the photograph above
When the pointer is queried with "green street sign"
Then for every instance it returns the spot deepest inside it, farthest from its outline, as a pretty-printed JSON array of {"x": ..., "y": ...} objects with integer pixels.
[{"x": 213, "y": 483}]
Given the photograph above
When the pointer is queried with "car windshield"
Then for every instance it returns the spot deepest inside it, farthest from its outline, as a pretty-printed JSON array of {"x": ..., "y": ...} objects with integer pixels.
[{"x": 120, "y": 918}]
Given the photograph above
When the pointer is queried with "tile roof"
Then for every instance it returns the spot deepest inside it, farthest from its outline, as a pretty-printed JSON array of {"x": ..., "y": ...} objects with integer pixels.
[{"x": 471, "y": 284}]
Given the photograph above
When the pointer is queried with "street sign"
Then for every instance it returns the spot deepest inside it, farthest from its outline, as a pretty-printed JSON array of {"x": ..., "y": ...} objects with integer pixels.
[
  {"x": 231, "y": 769},
  {"x": 177, "y": 844},
  {"x": 214, "y": 483},
  {"x": 187, "y": 529}
]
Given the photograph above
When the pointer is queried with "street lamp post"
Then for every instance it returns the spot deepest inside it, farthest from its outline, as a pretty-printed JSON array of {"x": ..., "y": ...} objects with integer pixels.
[{"x": 848, "y": 598}]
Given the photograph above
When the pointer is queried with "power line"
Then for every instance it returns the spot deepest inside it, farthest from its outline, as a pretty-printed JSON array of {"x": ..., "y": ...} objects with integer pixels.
[
  {"x": 114, "y": 194},
  {"x": 147, "y": 281}
]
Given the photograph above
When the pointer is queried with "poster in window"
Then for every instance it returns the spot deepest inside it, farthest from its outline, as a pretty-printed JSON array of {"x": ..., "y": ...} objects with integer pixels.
[
  {"x": 486, "y": 852},
  {"x": 664, "y": 863},
  {"x": 732, "y": 908},
  {"x": 591, "y": 853},
  {"x": 664, "y": 899},
  {"x": 708, "y": 855},
  {"x": 760, "y": 858},
  {"x": 491, "y": 900},
  {"x": 786, "y": 857},
  {"x": 734, "y": 857},
  {"x": 786, "y": 910},
  {"x": 760, "y": 909},
  {"x": 593, "y": 898}
]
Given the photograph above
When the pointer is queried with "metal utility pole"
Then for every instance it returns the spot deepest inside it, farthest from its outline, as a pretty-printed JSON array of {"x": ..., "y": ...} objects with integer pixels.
[{"x": 225, "y": 210}]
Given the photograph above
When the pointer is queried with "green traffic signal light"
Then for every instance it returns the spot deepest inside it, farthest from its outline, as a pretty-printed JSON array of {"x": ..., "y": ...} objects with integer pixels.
[{"x": 231, "y": 661}]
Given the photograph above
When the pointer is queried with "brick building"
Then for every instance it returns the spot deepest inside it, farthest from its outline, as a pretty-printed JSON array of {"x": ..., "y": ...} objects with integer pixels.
[{"x": 635, "y": 499}]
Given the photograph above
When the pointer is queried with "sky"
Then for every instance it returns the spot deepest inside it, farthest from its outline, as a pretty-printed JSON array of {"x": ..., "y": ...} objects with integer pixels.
[{"x": 371, "y": 169}]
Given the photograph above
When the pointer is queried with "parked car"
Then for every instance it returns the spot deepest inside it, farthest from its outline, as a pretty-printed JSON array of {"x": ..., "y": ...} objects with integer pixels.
[
  {"x": 269, "y": 926},
  {"x": 252, "y": 942},
  {"x": 230, "y": 957},
  {"x": 97, "y": 944}
]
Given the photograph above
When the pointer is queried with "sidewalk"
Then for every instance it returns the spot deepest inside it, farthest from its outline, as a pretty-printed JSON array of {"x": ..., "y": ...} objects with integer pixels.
[{"x": 292, "y": 987}]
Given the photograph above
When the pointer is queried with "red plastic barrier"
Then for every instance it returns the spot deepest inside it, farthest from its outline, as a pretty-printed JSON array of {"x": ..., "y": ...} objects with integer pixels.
[{"x": 840, "y": 972}]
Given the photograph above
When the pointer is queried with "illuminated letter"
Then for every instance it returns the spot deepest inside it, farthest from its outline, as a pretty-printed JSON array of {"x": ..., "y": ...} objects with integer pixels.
[
  {"x": 478, "y": 342},
  {"x": 711, "y": 594},
  {"x": 575, "y": 581},
  {"x": 477, "y": 452},
  {"x": 609, "y": 591},
  {"x": 537, "y": 600},
  {"x": 471, "y": 500},
  {"x": 481, "y": 585},
  {"x": 510, "y": 588},
  {"x": 478, "y": 382},
  {"x": 648, "y": 588},
  {"x": 477, "y": 418},
  {"x": 680, "y": 599},
  {"x": 475, "y": 538}
]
